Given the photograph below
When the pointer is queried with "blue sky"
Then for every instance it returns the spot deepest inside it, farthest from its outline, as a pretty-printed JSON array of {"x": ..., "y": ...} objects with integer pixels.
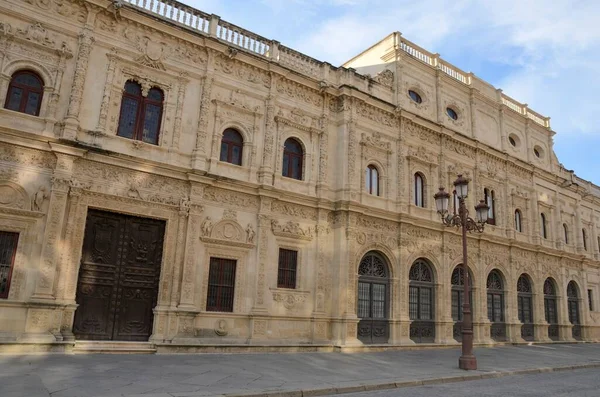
[{"x": 543, "y": 53}]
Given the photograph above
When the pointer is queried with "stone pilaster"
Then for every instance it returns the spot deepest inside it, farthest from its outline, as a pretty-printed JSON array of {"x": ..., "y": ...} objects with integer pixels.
[{"x": 86, "y": 41}]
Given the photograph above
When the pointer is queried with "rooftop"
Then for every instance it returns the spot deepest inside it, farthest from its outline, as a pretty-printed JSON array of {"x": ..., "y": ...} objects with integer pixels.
[{"x": 212, "y": 25}]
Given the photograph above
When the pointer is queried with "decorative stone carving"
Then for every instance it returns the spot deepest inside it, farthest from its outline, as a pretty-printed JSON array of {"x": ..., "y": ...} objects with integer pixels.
[
  {"x": 422, "y": 155},
  {"x": 385, "y": 77},
  {"x": 229, "y": 197},
  {"x": 14, "y": 196},
  {"x": 294, "y": 210},
  {"x": 38, "y": 199},
  {"x": 297, "y": 118},
  {"x": 230, "y": 214},
  {"x": 291, "y": 300},
  {"x": 376, "y": 142},
  {"x": 420, "y": 132},
  {"x": 250, "y": 234},
  {"x": 243, "y": 71},
  {"x": 291, "y": 229},
  {"x": 381, "y": 117},
  {"x": 221, "y": 328},
  {"x": 65, "y": 8},
  {"x": 206, "y": 226},
  {"x": 299, "y": 92},
  {"x": 37, "y": 35}
]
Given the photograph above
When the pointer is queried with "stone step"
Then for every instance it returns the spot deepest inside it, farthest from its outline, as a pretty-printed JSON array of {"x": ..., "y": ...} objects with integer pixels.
[{"x": 111, "y": 347}]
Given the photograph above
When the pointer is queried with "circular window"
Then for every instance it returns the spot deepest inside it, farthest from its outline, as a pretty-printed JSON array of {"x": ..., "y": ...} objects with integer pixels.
[
  {"x": 512, "y": 141},
  {"x": 415, "y": 96},
  {"x": 452, "y": 113},
  {"x": 538, "y": 151}
]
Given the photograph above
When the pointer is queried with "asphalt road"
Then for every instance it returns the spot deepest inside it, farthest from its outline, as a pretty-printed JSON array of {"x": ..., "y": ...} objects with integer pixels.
[{"x": 579, "y": 383}]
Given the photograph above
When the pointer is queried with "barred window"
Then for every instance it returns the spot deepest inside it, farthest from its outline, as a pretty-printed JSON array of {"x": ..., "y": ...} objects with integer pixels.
[
  {"x": 524, "y": 300},
  {"x": 8, "y": 250},
  {"x": 288, "y": 265},
  {"x": 420, "y": 299},
  {"x": 495, "y": 297},
  {"x": 550, "y": 308},
  {"x": 573, "y": 302},
  {"x": 221, "y": 282}
]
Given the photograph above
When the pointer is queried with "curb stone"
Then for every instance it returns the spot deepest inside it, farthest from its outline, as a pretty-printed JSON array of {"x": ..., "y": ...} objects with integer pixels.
[{"x": 410, "y": 383}]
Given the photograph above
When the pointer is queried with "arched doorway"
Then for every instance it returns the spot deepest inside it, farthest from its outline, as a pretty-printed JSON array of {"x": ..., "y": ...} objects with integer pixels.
[
  {"x": 495, "y": 305},
  {"x": 373, "y": 299},
  {"x": 573, "y": 302},
  {"x": 458, "y": 295},
  {"x": 525, "y": 306},
  {"x": 420, "y": 302},
  {"x": 550, "y": 308}
]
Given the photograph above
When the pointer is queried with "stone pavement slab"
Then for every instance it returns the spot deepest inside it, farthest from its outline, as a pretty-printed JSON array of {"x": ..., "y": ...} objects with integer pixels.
[{"x": 119, "y": 375}]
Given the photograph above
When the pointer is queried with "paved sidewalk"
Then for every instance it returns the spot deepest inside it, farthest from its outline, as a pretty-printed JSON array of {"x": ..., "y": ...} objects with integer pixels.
[{"x": 230, "y": 374}]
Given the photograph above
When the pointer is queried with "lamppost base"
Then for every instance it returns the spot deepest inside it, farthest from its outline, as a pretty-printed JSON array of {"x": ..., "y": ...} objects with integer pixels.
[{"x": 468, "y": 363}]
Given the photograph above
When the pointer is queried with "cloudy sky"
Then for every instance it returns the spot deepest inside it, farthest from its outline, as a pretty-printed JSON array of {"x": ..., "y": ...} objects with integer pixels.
[{"x": 543, "y": 53}]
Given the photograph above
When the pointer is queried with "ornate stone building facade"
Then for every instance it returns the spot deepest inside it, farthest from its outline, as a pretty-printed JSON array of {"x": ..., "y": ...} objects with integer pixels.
[{"x": 166, "y": 176}]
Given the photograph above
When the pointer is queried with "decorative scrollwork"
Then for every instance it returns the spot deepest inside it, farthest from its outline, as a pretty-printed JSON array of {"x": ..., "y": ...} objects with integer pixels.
[
  {"x": 494, "y": 281},
  {"x": 498, "y": 331},
  {"x": 421, "y": 271},
  {"x": 372, "y": 265},
  {"x": 572, "y": 290},
  {"x": 549, "y": 288},
  {"x": 458, "y": 278},
  {"x": 523, "y": 285}
]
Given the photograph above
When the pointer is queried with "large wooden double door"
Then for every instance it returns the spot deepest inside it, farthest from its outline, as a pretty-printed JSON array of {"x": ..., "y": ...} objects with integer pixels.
[{"x": 118, "y": 278}]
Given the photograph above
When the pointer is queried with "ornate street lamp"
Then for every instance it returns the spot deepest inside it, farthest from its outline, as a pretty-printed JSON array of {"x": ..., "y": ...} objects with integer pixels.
[{"x": 467, "y": 360}]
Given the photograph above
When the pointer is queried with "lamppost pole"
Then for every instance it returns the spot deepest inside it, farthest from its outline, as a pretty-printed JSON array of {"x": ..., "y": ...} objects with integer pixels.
[{"x": 467, "y": 360}]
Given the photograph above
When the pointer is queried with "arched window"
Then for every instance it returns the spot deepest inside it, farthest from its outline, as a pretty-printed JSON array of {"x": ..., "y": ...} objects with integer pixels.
[
  {"x": 232, "y": 145},
  {"x": 584, "y": 236},
  {"x": 373, "y": 299},
  {"x": 543, "y": 230},
  {"x": 566, "y": 233},
  {"x": 372, "y": 180},
  {"x": 456, "y": 202},
  {"x": 550, "y": 308},
  {"x": 25, "y": 93},
  {"x": 573, "y": 308},
  {"x": 495, "y": 304},
  {"x": 419, "y": 191},
  {"x": 140, "y": 116},
  {"x": 525, "y": 307},
  {"x": 420, "y": 302},
  {"x": 518, "y": 224},
  {"x": 458, "y": 295},
  {"x": 293, "y": 156},
  {"x": 489, "y": 200}
]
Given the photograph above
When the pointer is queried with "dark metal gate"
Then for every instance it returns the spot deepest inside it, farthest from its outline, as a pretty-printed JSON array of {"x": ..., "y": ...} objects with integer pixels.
[
  {"x": 373, "y": 300},
  {"x": 118, "y": 278}
]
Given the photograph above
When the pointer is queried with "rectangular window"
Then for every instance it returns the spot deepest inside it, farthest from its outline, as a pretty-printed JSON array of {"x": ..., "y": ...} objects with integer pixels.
[
  {"x": 221, "y": 281},
  {"x": 364, "y": 300},
  {"x": 288, "y": 263},
  {"x": 8, "y": 250},
  {"x": 378, "y": 300},
  {"x": 590, "y": 300},
  {"x": 413, "y": 303}
]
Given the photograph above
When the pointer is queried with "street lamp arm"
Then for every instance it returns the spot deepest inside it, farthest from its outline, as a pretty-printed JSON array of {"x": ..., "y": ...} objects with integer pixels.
[{"x": 455, "y": 221}]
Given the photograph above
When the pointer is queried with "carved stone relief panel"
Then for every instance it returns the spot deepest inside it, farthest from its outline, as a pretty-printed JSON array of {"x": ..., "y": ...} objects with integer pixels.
[
  {"x": 242, "y": 71},
  {"x": 13, "y": 195},
  {"x": 294, "y": 210},
  {"x": 110, "y": 179}
]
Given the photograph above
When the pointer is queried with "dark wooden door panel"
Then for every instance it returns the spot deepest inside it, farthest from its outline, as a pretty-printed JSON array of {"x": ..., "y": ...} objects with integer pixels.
[
  {"x": 96, "y": 289},
  {"x": 119, "y": 275},
  {"x": 138, "y": 279}
]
